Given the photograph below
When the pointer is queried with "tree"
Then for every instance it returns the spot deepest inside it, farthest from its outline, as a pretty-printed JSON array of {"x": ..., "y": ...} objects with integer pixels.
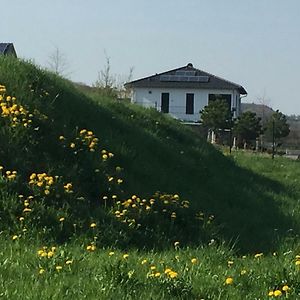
[
  {"x": 247, "y": 127},
  {"x": 106, "y": 82},
  {"x": 277, "y": 125},
  {"x": 216, "y": 115},
  {"x": 58, "y": 63}
]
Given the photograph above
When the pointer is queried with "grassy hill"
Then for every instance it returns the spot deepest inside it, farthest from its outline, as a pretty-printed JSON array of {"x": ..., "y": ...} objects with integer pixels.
[
  {"x": 108, "y": 200},
  {"x": 155, "y": 153}
]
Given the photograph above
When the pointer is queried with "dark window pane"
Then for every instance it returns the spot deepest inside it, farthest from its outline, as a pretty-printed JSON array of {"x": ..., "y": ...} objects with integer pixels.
[
  {"x": 189, "y": 108},
  {"x": 165, "y": 102}
]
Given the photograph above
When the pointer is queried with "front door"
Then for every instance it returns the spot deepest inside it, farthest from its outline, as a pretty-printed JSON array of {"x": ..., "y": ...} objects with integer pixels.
[{"x": 165, "y": 102}]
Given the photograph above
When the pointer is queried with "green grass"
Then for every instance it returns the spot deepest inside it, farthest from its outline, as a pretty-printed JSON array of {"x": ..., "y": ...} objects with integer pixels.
[{"x": 247, "y": 203}]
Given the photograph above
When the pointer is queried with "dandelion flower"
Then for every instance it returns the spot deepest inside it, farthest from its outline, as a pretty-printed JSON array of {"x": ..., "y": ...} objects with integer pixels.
[
  {"x": 229, "y": 280},
  {"x": 69, "y": 262},
  {"x": 258, "y": 255},
  {"x": 125, "y": 256},
  {"x": 50, "y": 254},
  {"x": 111, "y": 253},
  {"x": 61, "y": 219},
  {"x": 93, "y": 225},
  {"x": 285, "y": 288},
  {"x": 41, "y": 271},
  {"x": 58, "y": 268},
  {"x": 194, "y": 261},
  {"x": 14, "y": 237},
  {"x": 277, "y": 293}
]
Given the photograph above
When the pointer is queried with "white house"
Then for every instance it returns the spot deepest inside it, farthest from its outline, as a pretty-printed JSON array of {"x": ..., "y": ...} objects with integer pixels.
[{"x": 184, "y": 91}]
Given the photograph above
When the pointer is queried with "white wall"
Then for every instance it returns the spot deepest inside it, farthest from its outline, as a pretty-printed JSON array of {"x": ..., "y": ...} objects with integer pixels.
[{"x": 151, "y": 97}]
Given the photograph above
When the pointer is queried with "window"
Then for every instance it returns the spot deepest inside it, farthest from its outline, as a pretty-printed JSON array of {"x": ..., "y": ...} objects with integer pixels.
[
  {"x": 165, "y": 102},
  {"x": 189, "y": 107}
]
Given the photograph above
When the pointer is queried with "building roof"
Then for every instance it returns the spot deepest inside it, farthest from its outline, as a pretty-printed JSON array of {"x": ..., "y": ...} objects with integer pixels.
[
  {"x": 186, "y": 77},
  {"x": 7, "y": 48}
]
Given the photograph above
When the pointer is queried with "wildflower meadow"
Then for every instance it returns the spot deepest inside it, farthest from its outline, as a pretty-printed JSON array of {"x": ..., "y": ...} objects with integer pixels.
[{"x": 105, "y": 200}]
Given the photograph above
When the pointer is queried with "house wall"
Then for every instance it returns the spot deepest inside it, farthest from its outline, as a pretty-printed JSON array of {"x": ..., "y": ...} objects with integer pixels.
[{"x": 151, "y": 97}]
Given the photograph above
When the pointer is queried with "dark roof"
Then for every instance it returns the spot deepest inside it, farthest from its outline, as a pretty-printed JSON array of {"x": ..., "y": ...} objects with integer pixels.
[
  {"x": 186, "y": 77},
  {"x": 7, "y": 48}
]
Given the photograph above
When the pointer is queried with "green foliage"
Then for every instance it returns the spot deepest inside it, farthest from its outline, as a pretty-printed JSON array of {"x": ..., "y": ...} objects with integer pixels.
[
  {"x": 247, "y": 127},
  {"x": 216, "y": 115},
  {"x": 281, "y": 128}
]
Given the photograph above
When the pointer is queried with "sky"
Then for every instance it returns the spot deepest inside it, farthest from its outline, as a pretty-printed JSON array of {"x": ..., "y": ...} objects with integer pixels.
[{"x": 255, "y": 43}]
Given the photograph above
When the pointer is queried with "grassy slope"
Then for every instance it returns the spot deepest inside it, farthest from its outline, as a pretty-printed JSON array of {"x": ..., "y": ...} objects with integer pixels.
[
  {"x": 157, "y": 153},
  {"x": 254, "y": 199}
]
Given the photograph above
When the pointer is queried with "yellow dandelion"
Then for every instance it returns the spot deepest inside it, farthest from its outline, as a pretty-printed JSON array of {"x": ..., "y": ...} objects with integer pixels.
[
  {"x": 93, "y": 225},
  {"x": 229, "y": 280},
  {"x": 125, "y": 256},
  {"x": 194, "y": 261},
  {"x": 172, "y": 274},
  {"x": 58, "y": 268},
  {"x": 61, "y": 219},
  {"x": 152, "y": 268},
  {"x": 69, "y": 262},
  {"x": 14, "y": 237},
  {"x": 271, "y": 294},
  {"x": 41, "y": 271},
  {"x": 144, "y": 261},
  {"x": 157, "y": 274},
  {"x": 285, "y": 288},
  {"x": 176, "y": 244},
  {"x": 258, "y": 255},
  {"x": 111, "y": 253},
  {"x": 277, "y": 293},
  {"x": 50, "y": 254}
]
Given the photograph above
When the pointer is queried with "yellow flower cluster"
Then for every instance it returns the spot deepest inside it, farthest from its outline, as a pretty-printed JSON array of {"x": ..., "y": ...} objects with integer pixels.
[
  {"x": 88, "y": 138},
  {"x": 170, "y": 273},
  {"x": 42, "y": 181},
  {"x": 106, "y": 155},
  {"x": 279, "y": 292},
  {"x": 68, "y": 188},
  {"x": 91, "y": 247},
  {"x": 130, "y": 210},
  {"x": 297, "y": 263},
  {"x": 26, "y": 203},
  {"x": 8, "y": 175},
  {"x": 16, "y": 113},
  {"x": 2, "y": 89},
  {"x": 46, "y": 253}
]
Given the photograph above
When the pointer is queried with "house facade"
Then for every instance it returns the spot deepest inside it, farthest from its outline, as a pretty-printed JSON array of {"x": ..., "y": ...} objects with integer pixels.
[
  {"x": 7, "y": 49},
  {"x": 183, "y": 92}
]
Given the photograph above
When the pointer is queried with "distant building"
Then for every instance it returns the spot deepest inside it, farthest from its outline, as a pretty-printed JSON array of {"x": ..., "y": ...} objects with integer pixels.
[
  {"x": 184, "y": 91},
  {"x": 7, "y": 49}
]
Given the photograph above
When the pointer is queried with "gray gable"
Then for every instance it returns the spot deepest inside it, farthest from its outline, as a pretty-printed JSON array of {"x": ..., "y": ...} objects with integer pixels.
[
  {"x": 186, "y": 77},
  {"x": 7, "y": 48}
]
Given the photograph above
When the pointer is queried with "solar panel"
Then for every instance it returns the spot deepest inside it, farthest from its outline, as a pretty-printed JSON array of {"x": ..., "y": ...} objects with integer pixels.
[
  {"x": 181, "y": 78},
  {"x": 185, "y": 73}
]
